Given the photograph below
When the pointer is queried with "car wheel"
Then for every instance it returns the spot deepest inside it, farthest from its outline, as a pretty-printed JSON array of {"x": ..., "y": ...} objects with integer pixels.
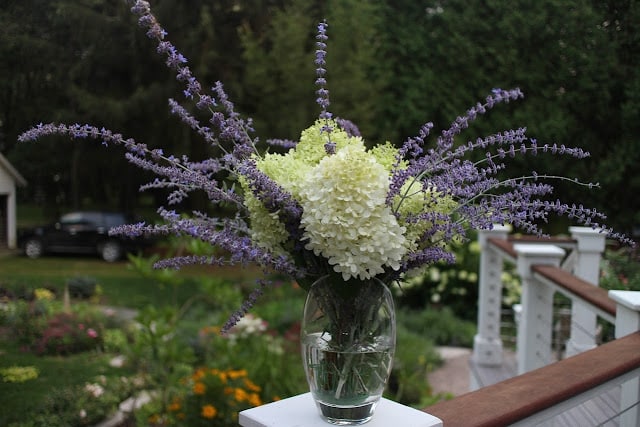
[
  {"x": 33, "y": 248},
  {"x": 111, "y": 251}
]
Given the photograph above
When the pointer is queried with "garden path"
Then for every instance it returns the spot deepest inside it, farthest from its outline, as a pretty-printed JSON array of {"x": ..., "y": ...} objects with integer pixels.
[{"x": 453, "y": 376}]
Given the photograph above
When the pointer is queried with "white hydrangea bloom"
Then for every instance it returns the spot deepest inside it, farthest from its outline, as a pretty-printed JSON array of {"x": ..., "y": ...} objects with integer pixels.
[{"x": 345, "y": 216}]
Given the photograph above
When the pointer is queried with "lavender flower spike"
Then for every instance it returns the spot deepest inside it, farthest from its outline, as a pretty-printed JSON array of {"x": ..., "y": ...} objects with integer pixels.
[{"x": 321, "y": 82}]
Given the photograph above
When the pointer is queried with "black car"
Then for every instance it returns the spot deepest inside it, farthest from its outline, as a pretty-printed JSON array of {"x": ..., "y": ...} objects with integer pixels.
[{"x": 85, "y": 232}]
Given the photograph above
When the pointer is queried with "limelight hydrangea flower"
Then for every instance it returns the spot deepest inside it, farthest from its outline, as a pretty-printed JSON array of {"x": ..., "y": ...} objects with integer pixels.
[
  {"x": 311, "y": 148},
  {"x": 416, "y": 198},
  {"x": 266, "y": 229},
  {"x": 345, "y": 216}
]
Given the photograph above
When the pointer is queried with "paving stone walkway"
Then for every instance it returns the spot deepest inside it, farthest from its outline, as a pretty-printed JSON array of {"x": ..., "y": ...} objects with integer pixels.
[{"x": 453, "y": 376}]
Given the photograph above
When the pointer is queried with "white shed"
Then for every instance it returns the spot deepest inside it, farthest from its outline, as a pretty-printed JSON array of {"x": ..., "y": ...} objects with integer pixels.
[{"x": 9, "y": 180}]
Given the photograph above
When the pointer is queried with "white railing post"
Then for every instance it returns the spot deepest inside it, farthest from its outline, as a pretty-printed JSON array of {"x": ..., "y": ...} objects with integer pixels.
[
  {"x": 535, "y": 326},
  {"x": 591, "y": 244},
  {"x": 487, "y": 344},
  {"x": 627, "y": 322}
]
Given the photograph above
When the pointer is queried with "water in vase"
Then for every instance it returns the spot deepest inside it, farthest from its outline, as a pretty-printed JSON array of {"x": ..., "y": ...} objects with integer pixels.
[{"x": 346, "y": 384}]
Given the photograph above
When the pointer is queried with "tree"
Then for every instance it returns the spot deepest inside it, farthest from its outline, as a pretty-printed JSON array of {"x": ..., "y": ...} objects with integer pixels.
[
  {"x": 392, "y": 66},
  {"x": 280, "y": 72},
  {"x": 577, "y": 74}
]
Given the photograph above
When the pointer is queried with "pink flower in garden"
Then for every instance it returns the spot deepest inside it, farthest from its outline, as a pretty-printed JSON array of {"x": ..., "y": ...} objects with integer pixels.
[
  {"x": 81, "y": 326},
  {"x": 92, "y": 333}
]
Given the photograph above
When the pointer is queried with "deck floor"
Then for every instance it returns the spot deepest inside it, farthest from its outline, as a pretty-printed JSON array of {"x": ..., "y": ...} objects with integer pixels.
[{"x": 601, "y": 411}]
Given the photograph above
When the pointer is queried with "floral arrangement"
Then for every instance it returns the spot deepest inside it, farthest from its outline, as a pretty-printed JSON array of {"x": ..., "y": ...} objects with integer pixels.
[{"x": 330, "y": 205}]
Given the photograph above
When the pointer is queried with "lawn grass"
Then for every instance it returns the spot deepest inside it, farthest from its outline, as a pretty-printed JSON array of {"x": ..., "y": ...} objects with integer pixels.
[{"x": 121, "y": 284}]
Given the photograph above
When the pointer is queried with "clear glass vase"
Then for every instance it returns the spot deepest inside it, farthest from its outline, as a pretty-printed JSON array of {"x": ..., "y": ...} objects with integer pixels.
[{"x": 348, "y": 338}]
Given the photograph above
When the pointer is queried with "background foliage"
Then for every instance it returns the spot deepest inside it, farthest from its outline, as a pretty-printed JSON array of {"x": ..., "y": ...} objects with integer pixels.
[{"x": 393, "y": 66}]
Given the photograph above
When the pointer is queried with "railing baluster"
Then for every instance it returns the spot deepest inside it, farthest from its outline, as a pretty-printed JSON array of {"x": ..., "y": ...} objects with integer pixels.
[
  {"x": 591, "y": 244},
  {"x": 534, "y": 328},
  {"x": 487, "y": 344}
]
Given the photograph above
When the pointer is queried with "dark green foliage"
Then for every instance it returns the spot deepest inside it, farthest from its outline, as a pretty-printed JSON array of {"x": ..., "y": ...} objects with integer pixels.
[
  {"x": 620, "y": 270},
  {"x": 453, "y": 286},
  {"x": 392, "y": 67},
  {"x": 442, "y": 326},
  {"x": 82, "y": 287}
]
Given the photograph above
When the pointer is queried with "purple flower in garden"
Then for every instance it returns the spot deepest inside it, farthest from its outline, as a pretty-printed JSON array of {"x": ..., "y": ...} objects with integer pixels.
[{"x": 429, "y": 194}]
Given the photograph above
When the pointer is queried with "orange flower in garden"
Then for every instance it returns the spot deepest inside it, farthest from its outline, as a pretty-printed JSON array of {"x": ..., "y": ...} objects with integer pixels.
[
  {"x": 254, "y": 399},
  {"x": 251, "y": 385},
  {"x": 240, "y": 395},
  {"x": 237, "y": 374},
  {"x": 199, "y": 388},
  {"x": 198, "y": 374},
  {"x": 228, "y": 390},
  {"x": 209, "y": 411},
  {"x": 175, "y": 406}
]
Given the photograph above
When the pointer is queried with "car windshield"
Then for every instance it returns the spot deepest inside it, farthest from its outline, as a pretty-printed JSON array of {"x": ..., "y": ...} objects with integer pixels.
[
  {"x": 81, "y": 218},
  {"x": 113, "y": 220},
  {"x": 72, "y": 218}
]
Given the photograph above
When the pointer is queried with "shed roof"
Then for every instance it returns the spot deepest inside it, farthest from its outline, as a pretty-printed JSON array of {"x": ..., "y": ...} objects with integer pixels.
[{"x": 4, "y": 163}]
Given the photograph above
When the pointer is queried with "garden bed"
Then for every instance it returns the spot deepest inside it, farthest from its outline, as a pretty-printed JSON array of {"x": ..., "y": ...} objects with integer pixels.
[{"x": 172, "y": 347}]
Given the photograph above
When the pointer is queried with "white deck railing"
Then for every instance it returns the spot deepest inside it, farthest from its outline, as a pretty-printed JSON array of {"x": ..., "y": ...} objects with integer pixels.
[{"x": 546, "y": 267}]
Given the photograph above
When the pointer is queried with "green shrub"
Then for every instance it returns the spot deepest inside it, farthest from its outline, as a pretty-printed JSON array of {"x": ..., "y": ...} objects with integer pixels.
[
  {"x": 115, "y": 340},
  {"x": 82, "y": 287},
  {"x": 26, "y": 320},
  {"x": 18, "y": 374},
  {"x": 440, "y": 326},
  {"x": 620, "y": 269},
  {"x": 415, "y": 357},
  {"x": 454, "y": 286}
]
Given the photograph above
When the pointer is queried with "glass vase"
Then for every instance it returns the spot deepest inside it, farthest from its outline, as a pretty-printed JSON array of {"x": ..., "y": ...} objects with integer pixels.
[{"x": 348, "y": 338}]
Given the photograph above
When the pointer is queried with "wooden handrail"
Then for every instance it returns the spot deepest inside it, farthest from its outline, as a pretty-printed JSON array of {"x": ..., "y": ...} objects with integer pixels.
[
  {"x": 523, "y": 396},
  {"x": 593, "y": 295},
  {"x": 528, "y": 238},
  {"x": 505, "y": 246}
]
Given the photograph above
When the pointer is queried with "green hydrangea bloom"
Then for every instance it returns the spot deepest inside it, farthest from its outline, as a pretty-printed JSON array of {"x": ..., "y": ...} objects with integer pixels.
[
  {"x": 267, "y": 231},
  {"x": 416, "y": 198},
  {"x": 311, "y": 148},
  {"x": 386, "y": 154}
]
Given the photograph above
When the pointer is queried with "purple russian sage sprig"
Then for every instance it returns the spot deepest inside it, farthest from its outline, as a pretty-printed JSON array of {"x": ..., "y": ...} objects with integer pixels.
[
  {"x": 483, "y": 197},
  {"x": 321, "y": 82}
]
